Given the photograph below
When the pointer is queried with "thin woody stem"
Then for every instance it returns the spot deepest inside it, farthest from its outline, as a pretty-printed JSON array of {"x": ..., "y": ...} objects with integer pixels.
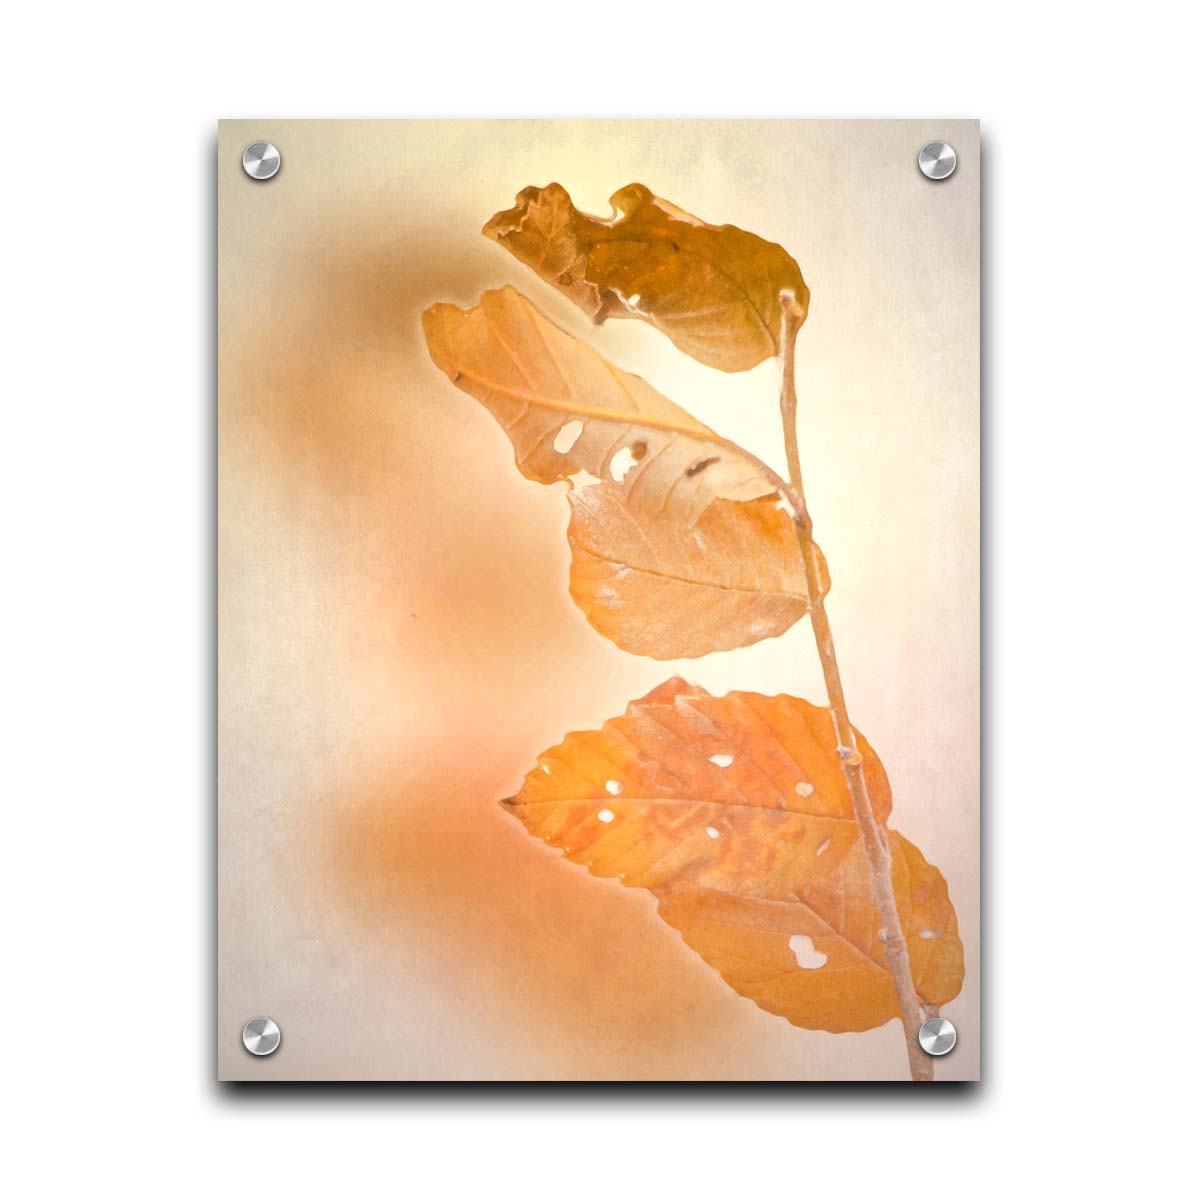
[{"x": 874, "y": 836}]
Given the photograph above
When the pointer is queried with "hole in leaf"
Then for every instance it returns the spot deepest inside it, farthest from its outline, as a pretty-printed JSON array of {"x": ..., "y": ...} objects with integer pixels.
[
  {"x": 606, "y": 815},
  {"x": 823, "y": 846},
  {"x": 712, "y": 832},
  {"x": 804, "y": 789},
  {"x": 697, "y": 467},
  {"x": 622, "y": 463},
  {"x": 721, "y": 760},
  {"x": 930, "y": 934},
  {"x": 806, "y": 954},
  {"x": 613, "y": 787},
  {"x": 567, "y": 436},
  {"x": 583, "y": 479}
]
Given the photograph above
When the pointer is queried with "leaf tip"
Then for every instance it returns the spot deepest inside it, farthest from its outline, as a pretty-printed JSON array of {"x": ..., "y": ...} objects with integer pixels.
[
  {"x": 670, "y": 690},
  {"x": 512, "y": 220}
]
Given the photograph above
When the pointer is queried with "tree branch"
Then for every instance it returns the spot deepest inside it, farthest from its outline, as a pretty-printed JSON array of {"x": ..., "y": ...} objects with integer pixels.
[{"x": 874, "y": 835}]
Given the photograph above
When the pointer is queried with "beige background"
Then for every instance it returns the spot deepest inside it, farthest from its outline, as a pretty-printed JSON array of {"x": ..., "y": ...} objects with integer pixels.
[{"x": 395, "y": 636}]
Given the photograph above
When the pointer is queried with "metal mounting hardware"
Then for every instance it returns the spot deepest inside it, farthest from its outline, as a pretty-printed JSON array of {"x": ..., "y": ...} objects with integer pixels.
[
  {"x": 261, "y": 1036},
  {"x": 261, "y": 161},
  {"x": 937, "y": 160}
]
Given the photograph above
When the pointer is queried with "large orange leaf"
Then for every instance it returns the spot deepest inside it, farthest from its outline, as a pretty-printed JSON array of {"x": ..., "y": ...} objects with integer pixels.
[
  {"x": 713, "y": 290},
  {"x": 566, "y": 410},
  {"x": 735, "y": 813},
  {"x": 660, "y": 588}
]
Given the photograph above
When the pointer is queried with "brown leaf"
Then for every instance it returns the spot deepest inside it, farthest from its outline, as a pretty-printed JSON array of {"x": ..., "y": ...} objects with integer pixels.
[
  {"x": 566, "y": 409},
  {"x": 735, "y": 813},
  {"x": 657, "y": 587},
  {"x": 714, "y": 290}
]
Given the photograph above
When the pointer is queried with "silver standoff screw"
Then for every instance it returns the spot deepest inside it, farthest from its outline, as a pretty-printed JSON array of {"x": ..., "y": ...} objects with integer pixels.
[
  {"x": 261, "y": 1036},
  {"x": 937, "y": 1036},
  {"x": 937, "y": 160},
  {"x": 261, "y": 161}
]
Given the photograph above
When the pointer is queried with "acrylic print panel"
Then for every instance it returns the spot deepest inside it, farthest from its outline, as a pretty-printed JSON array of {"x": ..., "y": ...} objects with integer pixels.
[{"x": 534, "y": 759}]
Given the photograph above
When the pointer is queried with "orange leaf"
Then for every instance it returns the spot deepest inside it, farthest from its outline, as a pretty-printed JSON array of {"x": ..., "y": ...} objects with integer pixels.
[
  {"x": 735, "y": 813},
  {"x": 657, "y": 587},
  {"x": 566, "y": 409},
  {"x": 713, "y": 290}
]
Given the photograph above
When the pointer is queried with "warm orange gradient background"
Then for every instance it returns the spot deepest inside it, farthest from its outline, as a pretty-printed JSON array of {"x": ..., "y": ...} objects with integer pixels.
[{"x": 397, "y": 643}]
